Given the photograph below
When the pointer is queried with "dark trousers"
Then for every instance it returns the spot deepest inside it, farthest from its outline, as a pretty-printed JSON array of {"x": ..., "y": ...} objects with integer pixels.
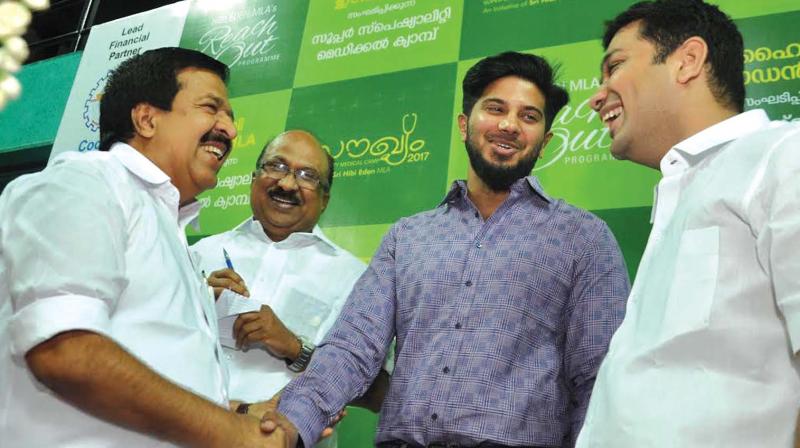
[{"x": 400, "y": 444}]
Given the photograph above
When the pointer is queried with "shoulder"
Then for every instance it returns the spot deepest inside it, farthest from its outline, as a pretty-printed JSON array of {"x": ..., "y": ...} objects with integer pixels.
[
  {"x": 576, "y": 216},
  {"x": 213, "y": 241},
  {"x": 70, "y": 176},
  {"x": 344, "y": 259},
  {"x": 420, "y": 221},
  {"x": 588, "y": 232},
  {"x": 777, "y": 136}
]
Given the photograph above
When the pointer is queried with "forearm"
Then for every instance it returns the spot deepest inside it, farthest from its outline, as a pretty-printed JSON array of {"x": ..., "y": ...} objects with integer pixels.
[
  {"x": 581, "y": 397},
  {"x": 98, "y": 376}
]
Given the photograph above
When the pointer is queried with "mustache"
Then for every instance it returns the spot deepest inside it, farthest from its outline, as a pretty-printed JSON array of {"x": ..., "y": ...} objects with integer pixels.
[
  {"x": 280, "y": 193},
  {"x": 213, "y": 136}
]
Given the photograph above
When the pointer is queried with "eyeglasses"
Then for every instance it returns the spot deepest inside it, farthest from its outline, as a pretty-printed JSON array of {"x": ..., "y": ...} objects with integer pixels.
[{"x": 305, "y": 177}]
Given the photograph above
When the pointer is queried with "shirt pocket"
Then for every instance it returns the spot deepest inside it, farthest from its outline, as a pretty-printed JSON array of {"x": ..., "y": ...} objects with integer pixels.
[
  {"x": 694, "y": 283},
  {"x": 300, "y": 309}
]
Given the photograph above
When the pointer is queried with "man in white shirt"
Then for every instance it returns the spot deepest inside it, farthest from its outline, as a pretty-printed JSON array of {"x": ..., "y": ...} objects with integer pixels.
[
  {"x": 107, "y": 333},
  {"x": 281, "y": 258},
  {"x": 707, "y": 352}
]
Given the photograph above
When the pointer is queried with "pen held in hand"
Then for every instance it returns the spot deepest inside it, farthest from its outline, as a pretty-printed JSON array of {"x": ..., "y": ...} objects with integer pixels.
[{"x": 227, "y": 259}]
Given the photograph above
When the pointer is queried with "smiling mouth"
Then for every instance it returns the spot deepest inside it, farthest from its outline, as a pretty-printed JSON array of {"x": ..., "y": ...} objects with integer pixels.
[{"x": 612, "y": 114}]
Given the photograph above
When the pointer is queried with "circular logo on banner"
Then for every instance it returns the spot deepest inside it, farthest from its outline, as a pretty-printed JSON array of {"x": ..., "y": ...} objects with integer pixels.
[{"x": 91, "y": 108}]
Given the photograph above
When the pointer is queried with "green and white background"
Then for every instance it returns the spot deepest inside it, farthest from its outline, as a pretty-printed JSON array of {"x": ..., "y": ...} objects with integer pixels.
[{"x": 378, "y": 81}]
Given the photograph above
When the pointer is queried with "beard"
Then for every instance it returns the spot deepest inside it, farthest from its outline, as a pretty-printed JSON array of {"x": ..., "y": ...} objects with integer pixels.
[{"x": 498, "y": 177}]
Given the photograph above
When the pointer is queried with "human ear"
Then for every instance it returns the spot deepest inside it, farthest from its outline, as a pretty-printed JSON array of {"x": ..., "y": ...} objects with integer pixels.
[
  {"x": 691, "y": 57},
  {"x": 463, "y": 122},
  {"x": 143, "y": 118}
]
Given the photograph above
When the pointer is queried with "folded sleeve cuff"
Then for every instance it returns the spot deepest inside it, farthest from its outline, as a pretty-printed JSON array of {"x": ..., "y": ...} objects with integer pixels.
[
  {"x": 305, "y": 416},
  {"x": 50, "y": 316}
]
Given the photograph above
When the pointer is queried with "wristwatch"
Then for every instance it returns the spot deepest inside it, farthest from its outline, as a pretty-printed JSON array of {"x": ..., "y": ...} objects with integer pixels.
[{"x": 306, "y": 350}]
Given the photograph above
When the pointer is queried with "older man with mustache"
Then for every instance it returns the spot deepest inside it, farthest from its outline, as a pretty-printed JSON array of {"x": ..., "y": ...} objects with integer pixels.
[{"x": 300, "y": 277}]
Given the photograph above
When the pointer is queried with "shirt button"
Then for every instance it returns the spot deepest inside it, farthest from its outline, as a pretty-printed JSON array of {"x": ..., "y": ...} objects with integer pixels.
[
  {"x": 434, "y": 416},
  {"x": 478, "y": 245},
  {"x": 477, "y": 214},
  {"x": 446, "y": 370},
  {"x": 458, "y": 325},
  {"x": 468, "y": 283}
]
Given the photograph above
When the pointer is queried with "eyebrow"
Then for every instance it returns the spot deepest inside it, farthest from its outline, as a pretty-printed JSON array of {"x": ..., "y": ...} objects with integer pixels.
[{"x": 501, "y": 101}]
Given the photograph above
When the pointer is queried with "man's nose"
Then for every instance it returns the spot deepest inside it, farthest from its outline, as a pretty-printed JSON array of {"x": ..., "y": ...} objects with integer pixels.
[
  {"x": 288, "y": 182},
  {"x": 225, "y": 126},
  {"x": 509, "y": 124},
  {"x": 596, "y": 101}
]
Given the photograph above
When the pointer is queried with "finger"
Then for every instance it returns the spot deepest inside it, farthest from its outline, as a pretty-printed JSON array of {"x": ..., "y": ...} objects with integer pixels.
[
  {"x": 217, "y": 291},
  {"x": 327, "y": 432},
  {"x": 242, "y": 320},
  {"x": 268, "y": 426},
  {"x": 252, "y": 333},
  {"x": 227, "y": 284},
  {"x": 228, "y": 279}
]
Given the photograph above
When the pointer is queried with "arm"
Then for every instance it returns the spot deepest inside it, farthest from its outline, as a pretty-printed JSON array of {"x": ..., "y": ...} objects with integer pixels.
[
  {"x": 352, "y": 353},
  {"x": 65, "y": 254},
  {"x": 595, "y": 310},
  {"x": 373, "y": 397},
  {"x": 98, "y": 376}
]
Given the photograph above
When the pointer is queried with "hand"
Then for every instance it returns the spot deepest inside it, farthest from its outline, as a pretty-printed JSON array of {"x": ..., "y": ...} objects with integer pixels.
[
  {"x": 227, "y": 279},
  {"x": 271, "y": 419},
  {"x": 264, "y": 327},
  {"x": 244, "y": 431}
]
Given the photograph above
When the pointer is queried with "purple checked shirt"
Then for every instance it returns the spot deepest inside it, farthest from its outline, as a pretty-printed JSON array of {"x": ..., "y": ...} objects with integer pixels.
[{"x": 501, "y": 325}]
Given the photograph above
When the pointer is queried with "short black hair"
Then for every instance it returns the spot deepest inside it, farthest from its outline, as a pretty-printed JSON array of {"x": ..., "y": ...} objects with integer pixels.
[
  {"x": 668, "y": 23},
  {"x": 150, "y": 77},
  {"x": 325, "y": 186},
  {"x": 526, "y": 66}
]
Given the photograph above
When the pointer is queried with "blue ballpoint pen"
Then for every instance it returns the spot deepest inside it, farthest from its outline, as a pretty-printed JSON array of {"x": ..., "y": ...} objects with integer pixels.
[{"x": 227, "y": 259}]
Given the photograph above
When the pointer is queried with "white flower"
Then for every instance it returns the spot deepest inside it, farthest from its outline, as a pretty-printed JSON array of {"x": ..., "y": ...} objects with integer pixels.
[
  {"x": 8, "y": 63},
  {"x": 37, "y": 5},
  {"x": 14, "y": 19},
  {"x": 17, "y": 48},
  {"x": 10, "y": 87}
]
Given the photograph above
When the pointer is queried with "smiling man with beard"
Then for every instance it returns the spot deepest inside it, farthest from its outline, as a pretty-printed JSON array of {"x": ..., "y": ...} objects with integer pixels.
[
  {"x": 502, "y": 298},
  {"x": 108, "y": 333},
  {"x": 299, "y": 276}
]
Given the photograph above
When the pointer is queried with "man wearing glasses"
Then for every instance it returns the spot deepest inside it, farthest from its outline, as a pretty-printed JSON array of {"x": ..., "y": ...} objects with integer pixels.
[{"x": 284, "y": 261}]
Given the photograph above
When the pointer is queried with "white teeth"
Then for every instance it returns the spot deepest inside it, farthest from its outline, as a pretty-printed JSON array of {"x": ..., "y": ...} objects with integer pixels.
[
  {"x": 612, "y": 114},
  {"x": 214, "y": 150}
]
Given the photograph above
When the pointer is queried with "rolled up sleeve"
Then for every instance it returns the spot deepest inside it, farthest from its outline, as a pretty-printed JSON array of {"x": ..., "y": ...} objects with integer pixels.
[{"x": 62, "y": 235}]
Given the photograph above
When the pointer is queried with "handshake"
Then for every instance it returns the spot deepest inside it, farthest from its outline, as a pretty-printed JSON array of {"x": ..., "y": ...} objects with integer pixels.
[{"x": 261, "y": 425}]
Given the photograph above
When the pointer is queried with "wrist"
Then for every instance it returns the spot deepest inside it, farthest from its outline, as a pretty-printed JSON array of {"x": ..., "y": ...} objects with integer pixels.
[
  {"x": 295, "y": 348},
  {"x": 304, "y": 356}
]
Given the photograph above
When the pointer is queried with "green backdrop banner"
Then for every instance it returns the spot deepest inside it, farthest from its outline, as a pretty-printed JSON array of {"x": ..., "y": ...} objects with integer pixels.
[{"x": 378, "y": 81}]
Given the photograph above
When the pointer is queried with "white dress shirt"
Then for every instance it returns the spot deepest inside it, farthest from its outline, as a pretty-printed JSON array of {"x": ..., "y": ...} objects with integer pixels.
[
  {"x": 305, "y": 279},
  {"x": 95, "y": 242},
  {"x": 706, "y": 354}
]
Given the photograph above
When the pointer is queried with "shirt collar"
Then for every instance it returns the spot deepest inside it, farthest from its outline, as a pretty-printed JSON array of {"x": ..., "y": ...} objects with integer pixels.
[
  {"x": 144, "y": 168},
  {"x": 527, "y": 184},
  {"x": 295, "y": 240},
  {"x": 698, "y": 145}
]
